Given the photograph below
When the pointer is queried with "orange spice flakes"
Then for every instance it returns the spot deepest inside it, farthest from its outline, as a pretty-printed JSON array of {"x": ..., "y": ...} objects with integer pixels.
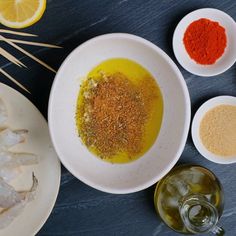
[{"x": 113, "y": 115}]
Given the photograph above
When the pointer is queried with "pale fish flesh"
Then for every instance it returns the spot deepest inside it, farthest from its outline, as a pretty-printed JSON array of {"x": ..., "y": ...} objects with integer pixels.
[
  {"x": 9, "y": 196},
  {"x": 9, "y": 174},
  {"x": 9, "y": 138},
  {"x": 9, "y": 214},
  {"x": 10, "y": 163},
  {"x": 13, "y": 160}
]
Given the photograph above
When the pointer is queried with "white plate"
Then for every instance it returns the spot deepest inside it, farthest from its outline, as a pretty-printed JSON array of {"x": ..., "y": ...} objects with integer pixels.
[
  {"x": 139, "y": 174},
  {"x": 223, "y": 63},
  {"x": 205, "y": 107},
  {"x": 24, "y": 115}
]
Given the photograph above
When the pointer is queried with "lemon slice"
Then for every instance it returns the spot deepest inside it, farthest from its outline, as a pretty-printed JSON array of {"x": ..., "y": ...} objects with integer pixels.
[{"x": 21, "y": 13}]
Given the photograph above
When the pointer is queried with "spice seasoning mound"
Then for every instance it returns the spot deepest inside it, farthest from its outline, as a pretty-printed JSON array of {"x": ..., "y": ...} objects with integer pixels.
[
  {"x": 119, "y": 110},
  {"x": 205, "y": 41},
  {"x": 114, "y": 116},
  {"x": 218, "y": 130}
]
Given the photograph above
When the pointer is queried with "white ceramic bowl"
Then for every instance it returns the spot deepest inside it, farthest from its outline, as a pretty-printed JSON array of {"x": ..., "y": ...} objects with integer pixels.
[
  {"x": 216, "y": 101},
  {"x": 142, "y": 173},
  {"x": 223, "y": 63}
]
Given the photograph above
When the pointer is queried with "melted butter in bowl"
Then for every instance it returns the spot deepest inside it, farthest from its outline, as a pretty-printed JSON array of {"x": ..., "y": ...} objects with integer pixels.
[{"x": 119, "y": 111}]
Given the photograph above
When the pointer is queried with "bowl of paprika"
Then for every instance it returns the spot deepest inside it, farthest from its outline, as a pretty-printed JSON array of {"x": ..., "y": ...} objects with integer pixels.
[{"x": 204, "y": 42}]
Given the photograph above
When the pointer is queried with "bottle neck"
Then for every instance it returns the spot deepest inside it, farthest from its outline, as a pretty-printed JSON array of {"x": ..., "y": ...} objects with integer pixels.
[{"x": 198, "y": 214}]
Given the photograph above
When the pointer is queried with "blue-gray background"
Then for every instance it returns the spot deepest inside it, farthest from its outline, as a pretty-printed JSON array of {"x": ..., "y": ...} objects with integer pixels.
[{"x": 81, "y": 210}]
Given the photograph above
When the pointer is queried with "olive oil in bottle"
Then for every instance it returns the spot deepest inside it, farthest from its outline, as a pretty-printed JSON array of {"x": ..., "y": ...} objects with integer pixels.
[{"x": 190, "y": 200}]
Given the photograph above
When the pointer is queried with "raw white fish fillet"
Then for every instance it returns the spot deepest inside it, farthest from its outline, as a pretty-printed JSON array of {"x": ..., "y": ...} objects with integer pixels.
[
  {"x": 8, "y": 195},
  {"x": 9, "y": 138},
  {"x": 9, "y": 214},
  {"x": 9, "y": 174},
  {"x": 10, "y": 163},
  {"x": 3, "y": 112},
  {"x": 13, "y": 160}
]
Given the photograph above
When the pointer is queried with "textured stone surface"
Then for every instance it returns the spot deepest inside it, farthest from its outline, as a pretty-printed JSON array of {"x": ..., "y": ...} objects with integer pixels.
[{"x": 81, "y": 210}]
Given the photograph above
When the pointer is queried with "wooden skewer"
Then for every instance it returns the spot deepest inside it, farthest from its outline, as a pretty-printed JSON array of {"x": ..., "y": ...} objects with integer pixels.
[
  {"x": 13, "y": 80},
  {"x": 34, "y": 43},
  {"x": 27, "y": 53},
  {"x": 11, "y": 58},
  {"x": 17, "y": 33}
]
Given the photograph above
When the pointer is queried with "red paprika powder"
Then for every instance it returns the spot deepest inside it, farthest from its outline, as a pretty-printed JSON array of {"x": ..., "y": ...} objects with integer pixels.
[{"x": 205, "y": 41}]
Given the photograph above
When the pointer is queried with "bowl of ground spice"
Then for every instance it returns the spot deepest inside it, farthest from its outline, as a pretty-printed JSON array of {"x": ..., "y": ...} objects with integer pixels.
[
  {"x": 204, "y": 42},
  {"x": 119, "y": 113},
  {"x": 214, "y": 129}
]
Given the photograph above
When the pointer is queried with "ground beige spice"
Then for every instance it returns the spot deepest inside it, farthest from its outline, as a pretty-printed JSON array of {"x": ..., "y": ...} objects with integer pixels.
[
  {"x": 218, "y": 130},
  {"x": 114, "y": 113}
]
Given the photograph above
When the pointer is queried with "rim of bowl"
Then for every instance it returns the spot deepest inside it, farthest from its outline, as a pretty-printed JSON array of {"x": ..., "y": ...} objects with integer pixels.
[
  {"x": 174, "y": 43},
  {"x": 202, "y": 110},
  {"x": 184, "y": 136}
]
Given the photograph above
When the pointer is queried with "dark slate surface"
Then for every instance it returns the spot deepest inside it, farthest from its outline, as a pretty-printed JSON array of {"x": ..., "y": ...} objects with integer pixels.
[{"x": 81, "y": 210}]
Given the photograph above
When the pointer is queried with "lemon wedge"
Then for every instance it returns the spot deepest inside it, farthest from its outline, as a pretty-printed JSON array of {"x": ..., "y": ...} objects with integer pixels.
[{"x": 21, "y": 13}]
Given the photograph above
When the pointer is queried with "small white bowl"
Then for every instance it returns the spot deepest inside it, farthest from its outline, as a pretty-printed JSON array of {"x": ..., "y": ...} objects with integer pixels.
[
  {"x": 157, "y": 162},
  {"x": 205, "y": 107},
  {"x": 225, "y": 61}
]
